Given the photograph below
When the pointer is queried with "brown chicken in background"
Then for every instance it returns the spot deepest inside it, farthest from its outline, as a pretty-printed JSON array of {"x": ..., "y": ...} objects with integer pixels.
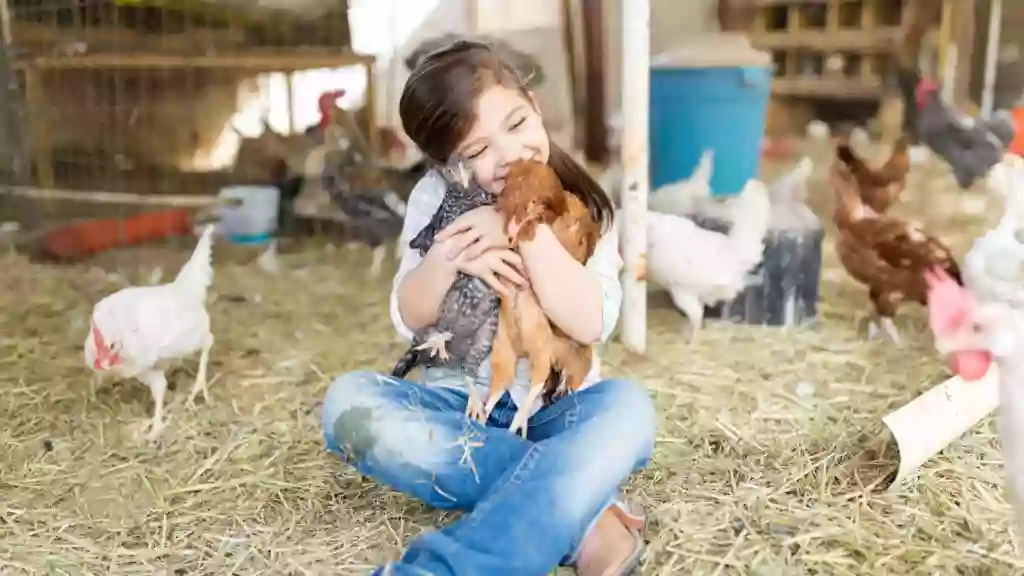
[
  {"x": 880, "y": 187},
  {"x": 533, "y": 195},
  {"x": 885, "y": 253}
]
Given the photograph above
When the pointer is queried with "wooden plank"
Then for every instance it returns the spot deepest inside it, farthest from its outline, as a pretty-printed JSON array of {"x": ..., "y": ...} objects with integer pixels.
[
  {"x": 251, "y": 61},
  {"x": 839, "y": 88},
  {"x": 879, "y": 40},
  {"x": 102, "y": 197},
  {"x": 42, "y": 144}
]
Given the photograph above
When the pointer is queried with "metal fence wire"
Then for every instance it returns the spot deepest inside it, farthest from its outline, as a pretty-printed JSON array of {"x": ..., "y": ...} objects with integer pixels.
[{"x": 110, "y": 104}]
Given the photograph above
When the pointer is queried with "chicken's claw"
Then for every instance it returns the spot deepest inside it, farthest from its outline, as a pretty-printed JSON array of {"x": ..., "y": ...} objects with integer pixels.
[
  {"x": 520, "y": 422},
  {"x": 475, "y": 409},
  {"x": 436, "y": 344},
  {"x": 155, "y": 429}
]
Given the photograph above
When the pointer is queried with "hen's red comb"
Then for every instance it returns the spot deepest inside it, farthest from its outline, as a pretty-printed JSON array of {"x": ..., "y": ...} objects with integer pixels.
[
  {"x": 949, "y": 304},
  {"x": 97, "y": 337}
]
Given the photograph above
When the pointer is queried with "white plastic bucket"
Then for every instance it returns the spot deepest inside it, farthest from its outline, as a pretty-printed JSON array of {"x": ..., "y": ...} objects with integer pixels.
[{"x": 254, "y": 221}]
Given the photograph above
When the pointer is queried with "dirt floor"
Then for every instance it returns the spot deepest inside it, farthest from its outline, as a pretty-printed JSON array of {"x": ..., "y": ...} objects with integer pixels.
[{"x": 754, "y": 422}]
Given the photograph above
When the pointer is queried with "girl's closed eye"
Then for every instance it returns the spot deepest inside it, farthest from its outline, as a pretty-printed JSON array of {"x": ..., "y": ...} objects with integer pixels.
[
  {"x": 476, "y": 153},
  {"x": 519, "y": 123}
]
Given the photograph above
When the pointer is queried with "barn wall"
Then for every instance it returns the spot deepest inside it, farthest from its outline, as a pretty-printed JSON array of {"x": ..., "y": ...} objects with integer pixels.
[{"x": 1010, "y": 71}]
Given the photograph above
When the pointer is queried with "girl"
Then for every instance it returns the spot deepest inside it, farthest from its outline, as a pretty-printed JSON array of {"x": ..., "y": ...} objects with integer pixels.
[{"x": 530, "y": 504}]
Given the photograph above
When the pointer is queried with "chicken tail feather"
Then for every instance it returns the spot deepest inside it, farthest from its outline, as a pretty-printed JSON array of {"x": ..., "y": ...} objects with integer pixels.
[
  {"x": 412, "y": 358},
  {"x": 432, "y": 349},
  {"x": 751, "y": 215},
  {"x": 197, "y": 274}
]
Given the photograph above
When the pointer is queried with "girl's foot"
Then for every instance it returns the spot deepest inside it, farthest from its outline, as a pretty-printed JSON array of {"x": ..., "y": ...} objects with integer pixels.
[{"x": 613, "y": 546}]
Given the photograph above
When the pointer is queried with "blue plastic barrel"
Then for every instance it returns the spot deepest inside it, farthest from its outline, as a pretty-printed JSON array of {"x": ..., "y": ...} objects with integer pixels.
[{"x": 711, "y": 93}]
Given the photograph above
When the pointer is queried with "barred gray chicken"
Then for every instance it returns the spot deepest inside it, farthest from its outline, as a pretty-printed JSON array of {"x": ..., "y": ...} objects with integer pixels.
[
  {"x": 468, "y": 318},
  {"x": 971, "y": 146}
]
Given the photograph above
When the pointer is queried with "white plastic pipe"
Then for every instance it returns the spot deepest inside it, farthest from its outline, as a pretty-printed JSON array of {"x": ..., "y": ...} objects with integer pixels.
[
  {"x": 995, "y": 26},
  {"x": 929, "y": 423},
  {"x": 636, "y": 89}
]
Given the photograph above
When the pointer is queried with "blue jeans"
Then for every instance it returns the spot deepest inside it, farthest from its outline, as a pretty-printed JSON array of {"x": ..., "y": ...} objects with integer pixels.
[{"x": 529, "y": 503}]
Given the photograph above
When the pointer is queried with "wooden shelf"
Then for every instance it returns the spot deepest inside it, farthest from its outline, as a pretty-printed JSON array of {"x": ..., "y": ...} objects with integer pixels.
[
  {"x": 839, "y": 49},
  {"x": 839, "y": 89},
  {"x": 881, "y": 40}
]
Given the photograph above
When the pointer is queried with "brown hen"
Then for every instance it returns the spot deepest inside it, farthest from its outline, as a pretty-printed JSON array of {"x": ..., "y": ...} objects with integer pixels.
[
  {"x": 881, "y": 187},
  {"x": 885, "y": 253},
  {"x": 533, "y": 195}
]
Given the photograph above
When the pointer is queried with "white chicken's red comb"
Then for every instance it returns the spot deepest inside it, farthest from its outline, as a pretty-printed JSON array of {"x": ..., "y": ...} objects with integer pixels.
[
  {"x": 97, "y": 337},
  {"x": 949, "y": 304}
]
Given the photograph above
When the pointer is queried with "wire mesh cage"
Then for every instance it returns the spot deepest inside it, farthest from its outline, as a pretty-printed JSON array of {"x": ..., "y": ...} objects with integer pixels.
[{"x": 119, "y": 108}]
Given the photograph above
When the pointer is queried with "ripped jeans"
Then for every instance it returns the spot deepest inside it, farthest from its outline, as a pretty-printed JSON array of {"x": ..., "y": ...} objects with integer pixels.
[{"x": 528, "y": 503}]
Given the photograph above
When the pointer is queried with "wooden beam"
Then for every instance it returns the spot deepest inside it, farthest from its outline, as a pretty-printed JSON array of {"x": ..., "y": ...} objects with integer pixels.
[
  {"x": 249, "y": 61},
  {"x": 572, "y": 52},
  {"x": 595, "y": 144}
]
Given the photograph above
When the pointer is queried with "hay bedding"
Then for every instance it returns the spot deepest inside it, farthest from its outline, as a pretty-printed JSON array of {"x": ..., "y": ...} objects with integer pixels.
[{"x": 754, "y": 424}]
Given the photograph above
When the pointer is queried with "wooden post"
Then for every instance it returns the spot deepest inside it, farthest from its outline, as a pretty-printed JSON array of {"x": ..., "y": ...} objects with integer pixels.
[
  {"x": 995, "y": 26},
  {"x": 42, "y": 146},
  {"x": 636, "y": 89},
  {"x": 5, "y": 23},
  {"x": 595, "y": 143},
  {"x": 947, "y": 52}
]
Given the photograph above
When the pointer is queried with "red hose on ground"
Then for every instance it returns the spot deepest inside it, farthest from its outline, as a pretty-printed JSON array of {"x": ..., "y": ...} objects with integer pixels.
[{"x": 93, "y": 236}]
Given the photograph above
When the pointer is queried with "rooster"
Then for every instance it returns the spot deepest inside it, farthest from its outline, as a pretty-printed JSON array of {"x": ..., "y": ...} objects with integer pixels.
[
  {"x": 136, "y": 332},
  {"x": 885, "y": 253},
  {"x": 972, "y": 336},
  {"x": 702, "y": 267},
  {"x": 879, "y": 187},
  {"x": 971, "y": 146}
]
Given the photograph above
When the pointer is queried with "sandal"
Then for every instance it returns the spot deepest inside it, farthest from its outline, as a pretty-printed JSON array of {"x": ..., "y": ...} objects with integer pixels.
[{"x": 634, "y": 522}]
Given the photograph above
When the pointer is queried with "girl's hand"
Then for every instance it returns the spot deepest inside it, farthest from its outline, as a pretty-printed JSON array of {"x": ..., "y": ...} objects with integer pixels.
[
  {"x": 492, "y": 264},
  {"x": 489, "y": 266},
  {"x": 474, "y": 233}
]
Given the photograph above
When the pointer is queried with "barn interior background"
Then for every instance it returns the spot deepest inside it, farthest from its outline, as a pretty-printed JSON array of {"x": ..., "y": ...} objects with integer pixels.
[{"x": 125, "y": 123}]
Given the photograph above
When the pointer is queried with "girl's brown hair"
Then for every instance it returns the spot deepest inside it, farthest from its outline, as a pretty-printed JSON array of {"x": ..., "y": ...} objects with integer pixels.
[{"x": 438, "y": 111}]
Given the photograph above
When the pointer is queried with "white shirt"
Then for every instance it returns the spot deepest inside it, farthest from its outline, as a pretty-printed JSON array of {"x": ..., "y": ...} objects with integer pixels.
[{"x": 605, "y": 265}]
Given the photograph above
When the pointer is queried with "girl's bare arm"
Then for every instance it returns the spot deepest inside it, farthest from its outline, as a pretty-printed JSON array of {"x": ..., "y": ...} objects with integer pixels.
[{"x": 568, "y": 291}]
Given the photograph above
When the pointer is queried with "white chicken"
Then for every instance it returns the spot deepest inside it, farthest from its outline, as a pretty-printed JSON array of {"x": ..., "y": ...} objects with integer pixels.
[
  {"x": 973, "y": 336},
  {"x": 700, "y": 267},
  {"x": 818, "y": 131},
  {"x": 994, "y": 266},
  {"x": 138, "y": 331},
  {"x": 681, "y": 198}
]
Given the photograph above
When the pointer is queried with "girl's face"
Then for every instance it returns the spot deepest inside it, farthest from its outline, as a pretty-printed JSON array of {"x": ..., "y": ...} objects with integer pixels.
[{"x": 508, "y": 128}]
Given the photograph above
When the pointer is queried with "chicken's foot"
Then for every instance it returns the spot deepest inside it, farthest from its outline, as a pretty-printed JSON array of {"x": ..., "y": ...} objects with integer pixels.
[
  {"x": 201, "y": 380},
  {"x": 475, "y": 407},
  {"x": 157, "y": 382},
  {"x": 872, "y": 329},
  {"x": 379, "y": 252},
  {"x": 890, "y": 329},
  {"x": 692, "y": 307},
  {"x": 437, "y": 344},
  {"x": 522, "y": 417}
]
